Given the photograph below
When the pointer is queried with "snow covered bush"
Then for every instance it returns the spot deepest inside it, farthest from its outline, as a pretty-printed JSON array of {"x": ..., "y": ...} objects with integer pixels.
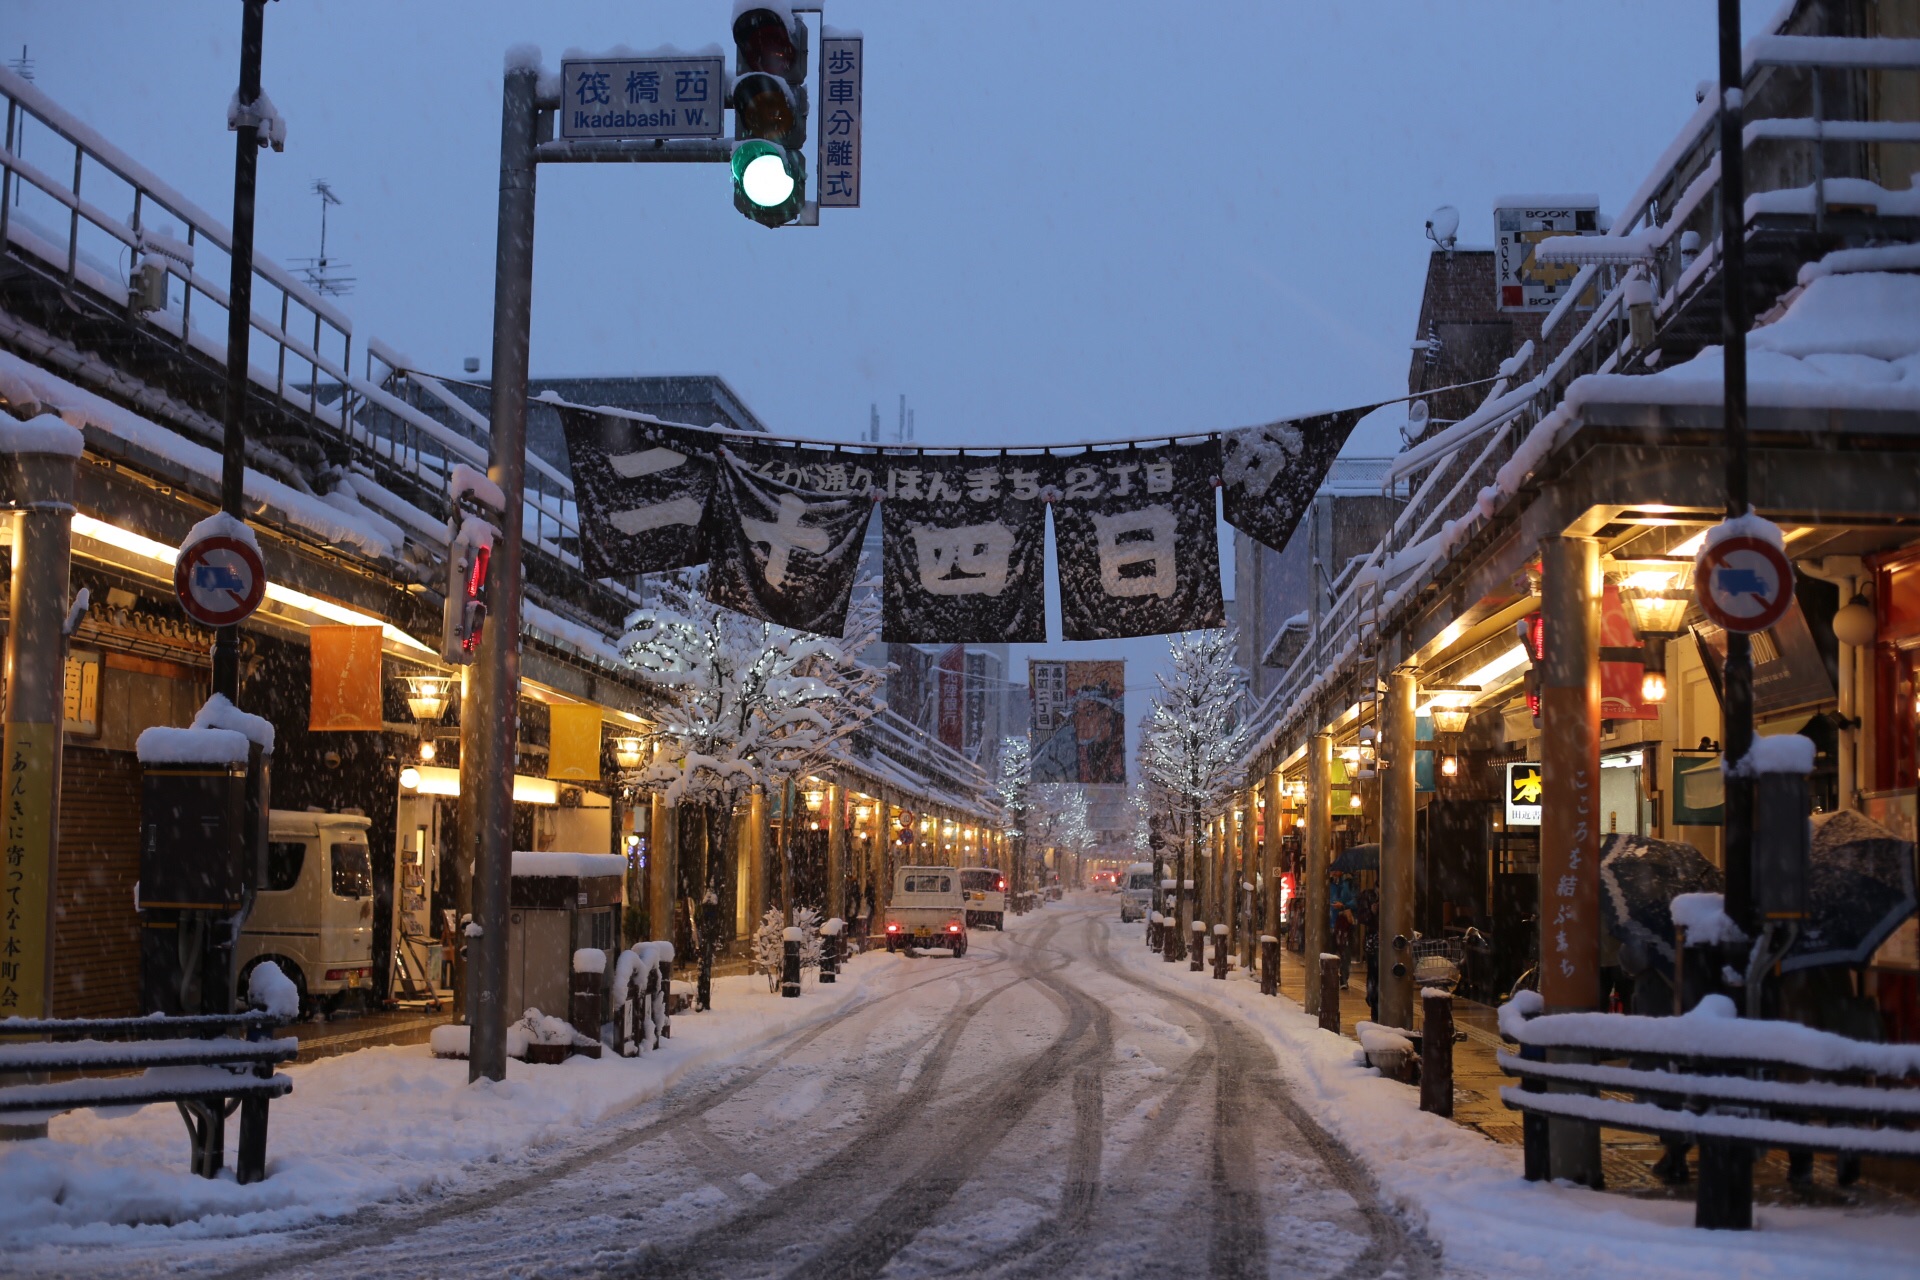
[{"x": 770, "y": 943}]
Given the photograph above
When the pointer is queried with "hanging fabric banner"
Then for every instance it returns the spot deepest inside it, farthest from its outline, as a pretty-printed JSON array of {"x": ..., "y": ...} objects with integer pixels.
[
  {"x": 346, "y": 678},
  {"x": 964, "y": 549},
  {"x": 573, "y": 742},
  {"x": 1136, "y": 542},
  {"x": 1269, "y": 474},
  {"x": 782, "y": 553},
  {"x": 642, "y": 488}
]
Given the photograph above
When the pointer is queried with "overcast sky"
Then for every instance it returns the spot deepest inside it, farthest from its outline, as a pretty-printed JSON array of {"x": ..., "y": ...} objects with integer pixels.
[{"x": 1081, "y": 220}]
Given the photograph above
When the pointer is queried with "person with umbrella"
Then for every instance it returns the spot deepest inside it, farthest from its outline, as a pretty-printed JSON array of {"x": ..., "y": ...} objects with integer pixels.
[{"x": 1341, "y": 919}]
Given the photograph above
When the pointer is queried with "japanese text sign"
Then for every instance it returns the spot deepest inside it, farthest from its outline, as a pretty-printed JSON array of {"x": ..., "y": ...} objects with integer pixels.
[
  {"x": 642, "y": 98},
  {"x": 839, "y": 112}
]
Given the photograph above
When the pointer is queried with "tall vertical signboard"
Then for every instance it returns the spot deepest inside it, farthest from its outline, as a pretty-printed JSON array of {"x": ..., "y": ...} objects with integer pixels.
[{"x": 840, "y": 66}]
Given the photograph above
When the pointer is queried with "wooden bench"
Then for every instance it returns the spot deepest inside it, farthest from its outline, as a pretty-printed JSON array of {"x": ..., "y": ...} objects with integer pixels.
[
  {"x": 1731, "y": 1085},
  {"x": 197, "y": 1063}
]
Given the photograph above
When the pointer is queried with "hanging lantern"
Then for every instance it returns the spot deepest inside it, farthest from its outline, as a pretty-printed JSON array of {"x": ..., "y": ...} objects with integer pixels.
[
  {"x": 627, "y": 753},
  {"x": 427, "y": 750},
  {"x": 1450, "y": 719},
  {"x": 1449, "y": 766},
  {"x": 427, "y": 697}
]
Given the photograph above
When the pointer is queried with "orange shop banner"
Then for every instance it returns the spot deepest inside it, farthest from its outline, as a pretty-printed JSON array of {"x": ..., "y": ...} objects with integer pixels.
[
  {"x": 573, "y": 745},
  {"x": 346, "y": 678}
]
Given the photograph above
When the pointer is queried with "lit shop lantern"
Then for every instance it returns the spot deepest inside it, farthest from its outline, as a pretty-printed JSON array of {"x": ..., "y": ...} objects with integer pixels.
[
  {"x": 626, "y": 753},
  {"x": 1449, "y": 766},
  {"x": 1656, "y": 602},
  {"x": 427, "y": 697}
]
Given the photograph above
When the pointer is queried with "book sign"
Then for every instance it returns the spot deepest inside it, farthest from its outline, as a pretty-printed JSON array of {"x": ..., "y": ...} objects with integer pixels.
[
  {"x": 1745, "y": 584},
  {"x": 219, "y": 579},
  {"x": 1524, "y": 789}
]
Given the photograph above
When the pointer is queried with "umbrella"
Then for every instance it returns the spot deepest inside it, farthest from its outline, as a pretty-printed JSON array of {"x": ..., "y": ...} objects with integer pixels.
[
  {"x": 1859, "y": 890},
  {"x": 1640, "y": 877},
  {"x": 1361, "y": 857}
]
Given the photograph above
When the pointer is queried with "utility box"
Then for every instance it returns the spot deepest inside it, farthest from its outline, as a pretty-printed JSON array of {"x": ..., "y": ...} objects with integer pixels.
[
  {"x": 1782, "y": 845},
  {"x": 558, "y": 904}
]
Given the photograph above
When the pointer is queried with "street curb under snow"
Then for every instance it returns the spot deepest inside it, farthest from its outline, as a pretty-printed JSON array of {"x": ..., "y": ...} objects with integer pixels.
[
  {"x": 374, "y": 1125},
  {"x": 1466, "y": 1192}
]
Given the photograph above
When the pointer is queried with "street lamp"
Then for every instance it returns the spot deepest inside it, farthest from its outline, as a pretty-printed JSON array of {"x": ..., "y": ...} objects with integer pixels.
[
  {"x": 1656, "y": 601},
  {"x": 626, "y": 753},
  {"x": 427, "y": 697}
]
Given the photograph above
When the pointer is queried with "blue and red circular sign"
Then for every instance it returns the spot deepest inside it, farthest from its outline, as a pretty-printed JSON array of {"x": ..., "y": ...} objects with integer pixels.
[
  {"x": 1744, "y": 584},
  {"x": 220, "y": 580}
]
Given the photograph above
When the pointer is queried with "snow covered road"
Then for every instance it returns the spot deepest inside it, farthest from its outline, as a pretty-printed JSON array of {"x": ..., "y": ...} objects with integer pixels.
[{"x": 1035, "y": 1109}]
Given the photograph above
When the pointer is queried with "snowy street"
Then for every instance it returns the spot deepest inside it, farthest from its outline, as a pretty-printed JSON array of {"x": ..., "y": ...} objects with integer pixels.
[{"x": 1038, "y": 1108}]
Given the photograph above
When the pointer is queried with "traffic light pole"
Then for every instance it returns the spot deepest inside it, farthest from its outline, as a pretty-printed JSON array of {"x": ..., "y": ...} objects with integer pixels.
[{"x": 491, "y": 736}]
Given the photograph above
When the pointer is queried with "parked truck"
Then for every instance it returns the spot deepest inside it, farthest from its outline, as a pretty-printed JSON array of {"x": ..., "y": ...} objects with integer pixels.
[{"x": 928, "y": 910}]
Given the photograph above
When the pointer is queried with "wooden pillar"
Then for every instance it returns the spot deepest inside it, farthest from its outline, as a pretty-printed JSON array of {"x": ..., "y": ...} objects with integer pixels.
[
  {"x": 836, "y": 852},
  {"x": 1271, "y": 832},
  {"x": 756, "y": 851},
  {"x": 1396, "y": 852},
  {"x": 1569, "y": 812},
  {"x": 663, "y": 832},
  {"x": 1313, "y": 887}
]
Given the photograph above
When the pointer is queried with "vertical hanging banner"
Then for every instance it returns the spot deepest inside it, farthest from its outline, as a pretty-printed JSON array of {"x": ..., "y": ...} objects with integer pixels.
[
  {"x": 346, "y": 678},
  {"x": 1269, "y": 474},
  {"x": 964, "y": 550},
  {"x": 1136, "y": 542},
  {"x": 779, "y": 552},
  {"x": 642, "y": 487},
  {"x": 573, "y": 742},
  {"x": 952, "y": 673}
]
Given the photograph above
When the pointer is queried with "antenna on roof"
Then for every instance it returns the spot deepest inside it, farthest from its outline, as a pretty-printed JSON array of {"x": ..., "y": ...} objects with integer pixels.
[
  {"x": 1443, "y": 227},
  {"x": 323, "y": 274}
]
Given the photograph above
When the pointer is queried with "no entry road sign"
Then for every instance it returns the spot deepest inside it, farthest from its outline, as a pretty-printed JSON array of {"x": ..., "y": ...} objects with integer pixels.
[
  {"x": 219, "y": 580},
  {"x": 1744, "y": 583}
]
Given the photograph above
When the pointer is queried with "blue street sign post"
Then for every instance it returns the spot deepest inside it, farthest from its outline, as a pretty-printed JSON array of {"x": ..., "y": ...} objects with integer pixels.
[{"x": 642, "y": 98}]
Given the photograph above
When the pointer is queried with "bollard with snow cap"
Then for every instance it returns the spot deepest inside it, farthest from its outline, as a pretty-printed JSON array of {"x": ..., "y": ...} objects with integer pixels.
[
  {"x": 1220, "y": 945},
  {"x": 833, "y": 932},
  {"x": 790, "y": 962},
  {"x": 1198, "y": 960}
]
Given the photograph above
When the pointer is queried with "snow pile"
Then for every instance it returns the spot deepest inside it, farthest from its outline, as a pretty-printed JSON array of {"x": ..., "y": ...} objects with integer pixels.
[
  {"x": 218, "y": 713},
  {"x": 273, "y": 991},
  {"x": 361, "y": 1127},
  {"x": 470, "y": 480},
  {"x": 590, "y": 960},
  {"x": 222, "y": 525},
  {"x": 1703, "y": 921},
  {"x": 1885, "y": 257},
  {"x": 163, "y": 746},
  {"x": 42, "y": 434},
  {"x": 1776, "y": 753},
  {"x": 584, "y": 865}
]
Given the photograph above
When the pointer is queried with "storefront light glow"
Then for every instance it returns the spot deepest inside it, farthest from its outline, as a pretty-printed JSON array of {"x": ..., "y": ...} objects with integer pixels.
[
  {"x": 427, "y": 750},
  {"x": 147, "y": 548},
  {"x": 410, "y": 778},
  {"x": 1653, "y": 686},
  {"x": 626, "y": 752},
  {"x": 1450, "y": 767},
  {"x": 1449, "y": 719}
]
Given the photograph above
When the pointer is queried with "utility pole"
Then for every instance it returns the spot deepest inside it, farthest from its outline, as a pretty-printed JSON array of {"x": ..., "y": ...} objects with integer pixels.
[
  {"x": 1733, "y": 336},
  {"x": 233, "y": 455}
]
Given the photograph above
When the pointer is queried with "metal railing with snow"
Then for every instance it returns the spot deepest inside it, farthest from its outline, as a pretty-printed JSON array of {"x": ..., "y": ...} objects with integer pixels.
[{"x": 1731, "y": 1084}]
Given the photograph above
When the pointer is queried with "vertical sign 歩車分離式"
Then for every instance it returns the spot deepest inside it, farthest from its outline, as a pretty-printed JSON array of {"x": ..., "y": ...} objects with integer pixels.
[{"x": 840, "y": 68}]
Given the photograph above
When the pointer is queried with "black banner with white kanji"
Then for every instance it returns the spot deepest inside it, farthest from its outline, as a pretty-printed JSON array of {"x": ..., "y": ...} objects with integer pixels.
[
  {"x": 642, "y": 490},
  {"x": 964, "y": 549},
  {"x": 1269, "y": 474},
  {"x": 781, "y": 552},
  {"x": 1136, "y": 542}
]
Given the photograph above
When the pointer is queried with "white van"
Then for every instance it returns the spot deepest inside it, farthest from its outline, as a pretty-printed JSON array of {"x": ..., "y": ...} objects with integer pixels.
[
  {"x": 1136, "y": 892},
  {"x": 986, "y": 893},
  {"x": 313, "y": 915}
]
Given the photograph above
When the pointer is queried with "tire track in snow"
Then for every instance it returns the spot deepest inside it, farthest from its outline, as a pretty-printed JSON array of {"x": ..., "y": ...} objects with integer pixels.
[
  {"x": 1248, "y": 1074},
  {"x": 350, "y": 1235}
]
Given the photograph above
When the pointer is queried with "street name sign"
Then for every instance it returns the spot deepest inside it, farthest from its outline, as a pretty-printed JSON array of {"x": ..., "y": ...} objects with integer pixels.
[
  {"x": 219, "y": 579},
  {"x": 1743, "y": 583},
  {"x": 642, "y": 98},
  {"x": 840, "y": 67}
]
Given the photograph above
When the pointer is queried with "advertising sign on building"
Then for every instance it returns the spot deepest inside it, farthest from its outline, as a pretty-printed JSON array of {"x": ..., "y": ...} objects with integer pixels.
[
  {"x": 1519, "y": 224},
  {"x": 1524, "y": 789},
  {"x": 1079, "y": 731},
  {"x": 952, "y": 675}
]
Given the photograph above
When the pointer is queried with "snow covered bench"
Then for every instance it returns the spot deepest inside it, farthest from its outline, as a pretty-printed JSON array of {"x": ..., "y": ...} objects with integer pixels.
[
  {"x": 1721, "y": 1081},
  {"x": 197, "y": 1063}
]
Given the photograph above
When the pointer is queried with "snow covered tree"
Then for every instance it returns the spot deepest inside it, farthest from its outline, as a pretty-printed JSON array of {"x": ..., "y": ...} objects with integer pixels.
[
  {"x": 1194, "y": 739},
  {"x": 751, "y": 703},
  {"x": 770, "y": 943},
  {"x": 1012, "y": 781}
]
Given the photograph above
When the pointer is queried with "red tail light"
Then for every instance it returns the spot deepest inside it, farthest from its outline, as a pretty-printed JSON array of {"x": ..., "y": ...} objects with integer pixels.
[
  {"x": 893, "y": 928},
  {"x": 953, "y": 928},
  {"x": 1000, "y": 885}
]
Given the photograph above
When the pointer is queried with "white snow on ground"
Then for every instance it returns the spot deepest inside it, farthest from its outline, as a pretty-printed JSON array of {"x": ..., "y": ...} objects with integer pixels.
[
  {"x": 362, "y": 1127},
  {"x": 1468, "y": 1194}
]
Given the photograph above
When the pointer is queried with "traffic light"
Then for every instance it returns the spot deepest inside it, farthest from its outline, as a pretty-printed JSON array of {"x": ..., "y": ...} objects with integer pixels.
[
  {"x": 769, "y": 114},
  {"x": 466, "y": 607}
]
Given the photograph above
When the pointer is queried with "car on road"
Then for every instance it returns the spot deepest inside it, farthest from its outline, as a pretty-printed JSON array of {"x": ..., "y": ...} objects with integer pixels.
[
  {"x": 1136, "y": 892},
  {"x": 928, "y": 910},
  {"x": 986, "y": 893}
]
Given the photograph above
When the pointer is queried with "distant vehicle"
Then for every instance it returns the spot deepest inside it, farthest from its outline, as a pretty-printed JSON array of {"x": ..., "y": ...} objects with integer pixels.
[
  {"x": 313, "y": 915},
  {"x": 928, "y": 910},
  {"x": 1106, "y": 881},
  {"x": 1136, "y": 895},
  {"x": 986, "y": 896}
]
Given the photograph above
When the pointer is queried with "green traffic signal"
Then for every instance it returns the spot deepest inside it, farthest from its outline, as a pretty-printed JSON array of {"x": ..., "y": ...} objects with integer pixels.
[
  {"x": 769, "y": 181},
  {"x": 769, "y": 114}
]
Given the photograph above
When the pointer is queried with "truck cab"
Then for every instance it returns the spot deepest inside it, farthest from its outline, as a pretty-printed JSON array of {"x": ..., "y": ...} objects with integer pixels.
[
  {"x": 928, "y": 910},
  {"x": 313, "y": 914},
  {"x": 986, "y": 894}
]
